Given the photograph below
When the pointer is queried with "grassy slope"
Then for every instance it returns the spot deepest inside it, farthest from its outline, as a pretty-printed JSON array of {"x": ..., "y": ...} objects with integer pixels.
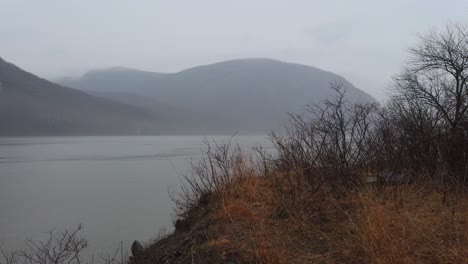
[{"x": 275, "y": 218}]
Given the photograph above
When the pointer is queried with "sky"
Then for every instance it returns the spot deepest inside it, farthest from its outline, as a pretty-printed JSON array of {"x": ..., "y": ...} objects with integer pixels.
[{"x": 364, "y": 41}]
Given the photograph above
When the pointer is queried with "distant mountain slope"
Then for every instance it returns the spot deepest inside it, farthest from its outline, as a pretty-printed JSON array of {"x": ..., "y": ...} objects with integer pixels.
[
  {"x": 116, "y": 79},
  {"x": 30, "y": 105},
  {"x": 244, "y": 94}
]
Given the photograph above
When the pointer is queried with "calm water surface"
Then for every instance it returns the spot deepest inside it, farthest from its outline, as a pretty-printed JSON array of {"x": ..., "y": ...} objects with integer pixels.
[{"x": 115, "y": 186}]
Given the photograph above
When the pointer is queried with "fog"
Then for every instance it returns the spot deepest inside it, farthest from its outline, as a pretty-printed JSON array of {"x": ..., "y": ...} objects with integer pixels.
[{"x": 364, "y": 41}]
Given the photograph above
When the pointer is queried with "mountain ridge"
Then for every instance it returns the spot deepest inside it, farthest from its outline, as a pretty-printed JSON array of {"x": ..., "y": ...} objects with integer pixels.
[
  {"x": 252, "y": 94},
  {"x": 123, "y": 70},
  {"x": 246, "y": 95}
]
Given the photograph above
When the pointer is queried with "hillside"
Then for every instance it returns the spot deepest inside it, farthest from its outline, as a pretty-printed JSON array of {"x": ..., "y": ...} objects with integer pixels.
[
  {"x": 115, "y": 79},
  {"x": 245, "y": 94},
  {"x": 30, "y": 105}
]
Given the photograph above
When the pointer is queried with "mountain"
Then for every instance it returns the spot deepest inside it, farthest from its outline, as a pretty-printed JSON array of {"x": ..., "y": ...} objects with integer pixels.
[
  {"x": 115, "y": 79},
  {"x": 32, "y": 106},
  {"x": 245, "y": 94}
]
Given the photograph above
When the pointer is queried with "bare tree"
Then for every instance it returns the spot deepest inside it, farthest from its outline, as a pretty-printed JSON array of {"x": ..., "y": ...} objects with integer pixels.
[
  {"x": 437, "y": 73},
  {"x": 434, "y": 84}
]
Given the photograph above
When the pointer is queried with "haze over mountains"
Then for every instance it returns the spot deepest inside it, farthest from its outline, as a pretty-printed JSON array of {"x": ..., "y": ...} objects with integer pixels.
[
  {"x": 30, "y": 105},
  {"x": 248, "y": 95}
]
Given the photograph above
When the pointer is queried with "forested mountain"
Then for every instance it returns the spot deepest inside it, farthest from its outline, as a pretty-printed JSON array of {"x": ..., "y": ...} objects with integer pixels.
[
  {"x": 249, "y": 95},
  {"x": 30, "y": 105}
]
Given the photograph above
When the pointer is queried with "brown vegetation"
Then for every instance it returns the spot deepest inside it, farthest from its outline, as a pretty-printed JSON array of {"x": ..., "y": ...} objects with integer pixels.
[{"x": 278, "y": 218}]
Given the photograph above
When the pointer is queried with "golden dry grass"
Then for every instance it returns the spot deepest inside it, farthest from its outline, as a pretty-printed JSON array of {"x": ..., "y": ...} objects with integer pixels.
[
  {"x": 404, "y": 224},
  {"x": 284, "y": 217},
  {"x": 414, "y": 227}
]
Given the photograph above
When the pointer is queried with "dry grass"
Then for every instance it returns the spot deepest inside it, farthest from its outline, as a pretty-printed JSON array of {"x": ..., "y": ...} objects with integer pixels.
[
  {"x": 301, "y": 216},
  {"x": 405, "y": 224},
  {"x": 415, "y": 228}
]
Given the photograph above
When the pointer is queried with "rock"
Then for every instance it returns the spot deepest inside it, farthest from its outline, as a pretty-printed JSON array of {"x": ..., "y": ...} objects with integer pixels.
[{"x": 137, "y": 249}]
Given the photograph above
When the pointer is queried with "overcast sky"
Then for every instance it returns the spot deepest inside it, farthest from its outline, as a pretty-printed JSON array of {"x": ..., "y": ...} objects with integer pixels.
[{"x": 364, "y": 41}]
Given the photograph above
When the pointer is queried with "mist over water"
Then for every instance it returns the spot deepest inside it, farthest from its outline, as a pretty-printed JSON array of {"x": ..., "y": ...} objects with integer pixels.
[{"x": 117, "y": 187}]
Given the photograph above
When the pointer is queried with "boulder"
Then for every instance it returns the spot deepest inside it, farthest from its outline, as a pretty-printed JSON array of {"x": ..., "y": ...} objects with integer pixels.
[{"x": 137, "y": 249}]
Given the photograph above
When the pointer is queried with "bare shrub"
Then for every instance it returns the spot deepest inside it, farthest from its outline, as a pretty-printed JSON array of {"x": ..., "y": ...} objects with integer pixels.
[
  {"x": 65, "y": 247},
  {"x": 212, "y": 176},
  {"x": 333, "y": 137},
  {"x": 264, "y": 160}
]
